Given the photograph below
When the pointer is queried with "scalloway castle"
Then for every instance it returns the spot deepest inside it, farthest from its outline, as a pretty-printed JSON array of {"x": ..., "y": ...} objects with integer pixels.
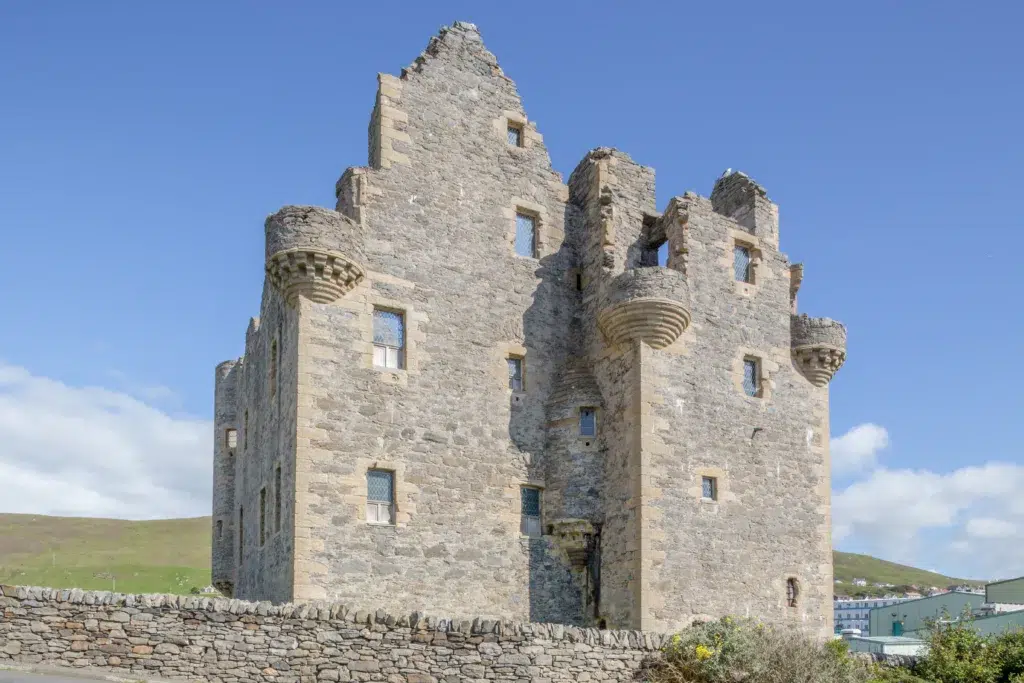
[{"x": 473, "y": 390}]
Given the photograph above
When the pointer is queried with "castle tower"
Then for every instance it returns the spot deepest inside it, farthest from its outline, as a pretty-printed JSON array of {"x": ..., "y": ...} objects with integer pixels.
[{"x": 472, "y": 390}]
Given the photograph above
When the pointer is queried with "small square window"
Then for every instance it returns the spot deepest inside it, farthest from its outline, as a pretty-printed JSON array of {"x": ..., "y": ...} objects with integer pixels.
[
  {"x": 380, "y": 496},
  {"x": 741, "y": 263},
  {"x": 515, "y": 373},
  {"x": 588, "y": 422},
  {"x": 709, "y": 488},
  {"x": 388, "y": 339},
  {"x": 515, "y": 135},
  {"x": 530, "y": 507},
  {"x": 231, "y": 438},
  {"x": 751, "y": 377},
  {"x": 526, "y": 235}
]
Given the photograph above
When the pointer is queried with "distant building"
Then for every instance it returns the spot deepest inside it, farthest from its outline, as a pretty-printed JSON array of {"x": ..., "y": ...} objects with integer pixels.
[
  {"x": 886, "y": 645},
  {"x": 855, "y": 613},
  {"x": 1010, "y": 591},
  {"x": 860, "y": 582},
  {"x": 911, "y": 616}
]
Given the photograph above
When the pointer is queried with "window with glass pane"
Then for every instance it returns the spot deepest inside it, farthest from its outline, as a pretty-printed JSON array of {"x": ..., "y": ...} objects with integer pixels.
[
  {"x": 380, "y": 496},
  {"x": 515, "y": 136},
  {"x": 741, "y": 263},
  {"x": 231, "y": 438},
  {"x": 709, "y": 488},
  {"x": 751, "y": 377},
  {"x": 526, "y": 228},
  {"x": 388, "y": 339},
  {"x": 515, "y": 374},
  {"x": 588, "y": 422},
  {"x": 530, "y": 506}
]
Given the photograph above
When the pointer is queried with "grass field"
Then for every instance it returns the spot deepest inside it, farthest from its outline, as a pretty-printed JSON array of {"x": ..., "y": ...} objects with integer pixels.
[
  {"x": 164, "y": 556},
  {"x": 173, "y": 556}
]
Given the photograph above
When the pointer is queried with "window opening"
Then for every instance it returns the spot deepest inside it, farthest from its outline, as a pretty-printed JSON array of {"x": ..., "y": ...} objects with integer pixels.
[
  {"x": 530, "y": 508},
  {"x": 220, "y": 529},
  {"x": 792, "y": 592},
  {"x": 515, "y": 135},
  {"x": 263, "y": 515},
  {"x": 380, "y": 496},
  {"x": 741, "y": 263},
  {"x": 230, "y": 438},
  {"x": 515, "y": 373},
  {"x": 388, "y": 339},
  {"x": 709, "y": 488},
  {"x": 526, "y": 235},
  {"x": 751, "y": 377},
  {"x": 241, "y": 532},
  {"x": 588, "y": 422},
  {"x": 273, "y": 368},
  {"x": 277, "y": 498}
]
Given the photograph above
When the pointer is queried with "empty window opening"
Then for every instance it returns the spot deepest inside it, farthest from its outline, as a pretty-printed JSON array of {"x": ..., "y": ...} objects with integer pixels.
[
  {"x": 220, "y": 529},
  {"x": 380, "y": 496},
  {"x": 241, "y": 532},
  {"x": 579, "y": 282},
  {"x": 526, "y": 235},
  {"x": 277, "y": 498},
  {"x": 792, "y": 592},
  {"x": 588, "y": 421},
  {"x": 515, "y": 134},
  {"x": 741, "y": 263},
  {"x": 263, "y": 515},
  {"x": 663, "y": 254},
  {"x": 388, "y": 339},
  {"x": 530, "y": 506},
  {"x": 245, "y": 430},
  {"x": 709, "y": 488},
  {"x": 752, "y": 377},
  {"x": 515, "y": 373},
  {"x": 230, "y": 439}
]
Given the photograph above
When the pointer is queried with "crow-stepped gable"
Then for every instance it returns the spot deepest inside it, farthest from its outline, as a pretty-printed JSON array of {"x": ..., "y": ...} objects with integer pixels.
[{"x": 476, "y": 389}]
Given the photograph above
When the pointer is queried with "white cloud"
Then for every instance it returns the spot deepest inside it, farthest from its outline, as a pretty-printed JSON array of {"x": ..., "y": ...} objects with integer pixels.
[
  {"x": 86, "y": 451},
  {"x": 986, "y": 527},
  {"x": 856, "y": 450},
  {"x": 974, "y": 510}
]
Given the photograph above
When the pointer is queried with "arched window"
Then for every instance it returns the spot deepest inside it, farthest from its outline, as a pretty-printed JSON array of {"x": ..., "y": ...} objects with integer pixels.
[{"x": 792, "y": 592}]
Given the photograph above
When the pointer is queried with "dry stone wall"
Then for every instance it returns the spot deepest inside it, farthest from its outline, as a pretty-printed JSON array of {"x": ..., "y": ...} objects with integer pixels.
[{"x": 221, "y": 640}]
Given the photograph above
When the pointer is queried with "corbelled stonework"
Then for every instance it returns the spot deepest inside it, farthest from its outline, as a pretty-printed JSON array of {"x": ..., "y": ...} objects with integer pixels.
[{"x": 580, "y": 374}]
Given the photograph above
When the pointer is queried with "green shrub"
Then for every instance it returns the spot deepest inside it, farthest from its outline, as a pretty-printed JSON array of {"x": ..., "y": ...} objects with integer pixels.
[
  {"x": 958, "y": 654},
  {"x": 1008, "y": 651},
  {"x": 744, "y": 651}
]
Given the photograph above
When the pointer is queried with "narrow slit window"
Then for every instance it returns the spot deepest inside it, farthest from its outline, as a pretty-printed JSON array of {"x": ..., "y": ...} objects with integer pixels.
[
  {"x": 751, "y": 377},
  {"x": 241, "y": 532},
  {"x": 230, "y": 439},
  {"x": 588, "y": 421},
  {"x": 793, "y": 593},
  {"x": 273, "y": 368},
  {"x": 380, "y": 496},
  {"x": 220, "y": 529},
  {"x": 741, "y": 263},
  {"x": 515, "y": 373},
  {"x": 526, "y": 235},
  {"x": 388, "y": 339},
  {"x": 245, "y": 431},
  {"x": 515, "y": 135},
  {"x": 530, "y": 507},
  {"x": 709, "y": 488},
  {"x": 263, "y": 516},
  {"x": 277, "y": 498}
]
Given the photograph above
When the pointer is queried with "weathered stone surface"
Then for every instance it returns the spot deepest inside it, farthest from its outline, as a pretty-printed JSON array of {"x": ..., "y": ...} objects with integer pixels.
[{"x": 657, "y": 351}]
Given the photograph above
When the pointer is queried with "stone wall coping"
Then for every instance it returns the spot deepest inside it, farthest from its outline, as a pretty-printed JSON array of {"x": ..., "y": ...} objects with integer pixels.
[{"x": 321, "y": 610}]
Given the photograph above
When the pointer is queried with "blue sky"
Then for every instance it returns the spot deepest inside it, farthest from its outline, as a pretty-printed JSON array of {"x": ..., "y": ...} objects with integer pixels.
[{"x": 143, "y": 144}]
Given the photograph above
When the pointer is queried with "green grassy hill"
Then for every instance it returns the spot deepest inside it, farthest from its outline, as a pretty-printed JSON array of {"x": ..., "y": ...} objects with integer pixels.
[
  {"x": 173, "y": 556},
  {"x": 850, "y": 566},
  {"x": 163, "y": 556}
]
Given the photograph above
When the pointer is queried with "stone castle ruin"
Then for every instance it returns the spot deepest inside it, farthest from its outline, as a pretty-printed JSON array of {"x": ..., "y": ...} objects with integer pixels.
[{"x": 473, "y": 390}]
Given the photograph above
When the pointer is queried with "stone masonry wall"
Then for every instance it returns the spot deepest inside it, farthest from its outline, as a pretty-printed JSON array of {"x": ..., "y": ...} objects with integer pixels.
[{"x": 224, "y": 641}]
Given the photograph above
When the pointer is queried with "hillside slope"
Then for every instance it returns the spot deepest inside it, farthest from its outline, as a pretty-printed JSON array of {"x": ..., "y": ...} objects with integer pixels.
[
  {"x": 173, "y": 556},
  {"x": 850, "y": 566},
  {"x": 161, "y": 556}
]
